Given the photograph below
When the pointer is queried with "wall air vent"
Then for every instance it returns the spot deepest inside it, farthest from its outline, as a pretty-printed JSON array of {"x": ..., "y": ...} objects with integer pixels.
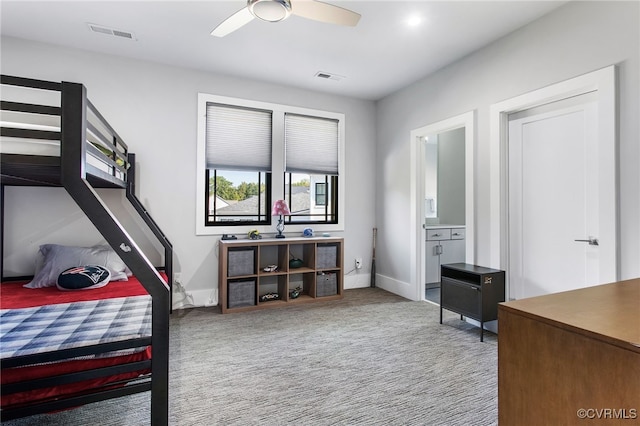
[
  {"x": 111, "y": 31},
  {"x": 329, "y": 76}
]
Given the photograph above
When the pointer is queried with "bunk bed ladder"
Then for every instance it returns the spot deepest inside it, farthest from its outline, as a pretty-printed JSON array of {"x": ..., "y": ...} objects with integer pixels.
[{"x": 74, "y": 180}]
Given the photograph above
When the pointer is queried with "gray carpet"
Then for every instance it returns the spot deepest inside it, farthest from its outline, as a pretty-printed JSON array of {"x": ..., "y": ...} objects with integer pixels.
[{"x": 372, "y": 358}]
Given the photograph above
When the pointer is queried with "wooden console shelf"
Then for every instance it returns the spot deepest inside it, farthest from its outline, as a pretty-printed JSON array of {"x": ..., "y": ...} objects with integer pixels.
[{"x": 243, "y": 282}]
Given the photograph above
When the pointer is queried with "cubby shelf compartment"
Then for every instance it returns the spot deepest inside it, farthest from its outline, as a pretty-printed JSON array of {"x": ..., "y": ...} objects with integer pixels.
[{"x": 241, "y": 271}]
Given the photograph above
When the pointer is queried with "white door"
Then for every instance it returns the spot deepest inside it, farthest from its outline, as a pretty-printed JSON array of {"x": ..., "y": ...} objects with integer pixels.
[{"x": 556, "y": 240}]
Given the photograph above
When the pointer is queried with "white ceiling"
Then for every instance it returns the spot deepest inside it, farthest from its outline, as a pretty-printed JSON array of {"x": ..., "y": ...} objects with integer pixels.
[{"x": 377, "y": 57}]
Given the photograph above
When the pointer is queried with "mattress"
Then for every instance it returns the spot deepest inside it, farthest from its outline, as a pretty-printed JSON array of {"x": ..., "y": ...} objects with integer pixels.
[
  {"x": 119, "y": 311},
  {"x": 27, "y": 331}
]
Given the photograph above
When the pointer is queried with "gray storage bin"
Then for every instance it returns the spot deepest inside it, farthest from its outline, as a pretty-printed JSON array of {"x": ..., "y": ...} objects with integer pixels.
[
  {"x": 241, "y": 262},
  {"x": 326, "y": 285},
  {"x": 242, "y": 293},
  {"x": 326, "y": 256}
]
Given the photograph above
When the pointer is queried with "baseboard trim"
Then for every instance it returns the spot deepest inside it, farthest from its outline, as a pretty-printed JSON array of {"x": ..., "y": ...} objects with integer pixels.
[
  {"x": 400, "y": 288},
  {"x": 357, "y": 280}
]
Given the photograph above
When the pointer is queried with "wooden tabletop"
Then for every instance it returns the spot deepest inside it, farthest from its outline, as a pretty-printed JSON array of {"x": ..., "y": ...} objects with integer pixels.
[{"x": 609, "y": 312}]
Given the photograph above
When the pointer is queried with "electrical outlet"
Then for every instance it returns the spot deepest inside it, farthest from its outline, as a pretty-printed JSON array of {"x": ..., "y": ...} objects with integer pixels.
[{"x": 358, "y": 262}]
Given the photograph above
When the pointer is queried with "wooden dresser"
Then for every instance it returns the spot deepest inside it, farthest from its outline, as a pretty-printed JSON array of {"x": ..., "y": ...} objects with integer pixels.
[{"x": 571, "y": 357}]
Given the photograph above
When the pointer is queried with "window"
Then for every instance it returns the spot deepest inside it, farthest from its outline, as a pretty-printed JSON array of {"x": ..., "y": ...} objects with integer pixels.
[
  {"x": 253, "y": 153},
  {"x": 238, "y": 165},
  {"x": 311, "y": 159}
]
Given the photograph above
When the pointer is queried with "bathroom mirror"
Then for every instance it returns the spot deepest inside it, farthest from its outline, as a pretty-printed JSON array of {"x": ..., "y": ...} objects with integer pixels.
[{"x": 444, "y": 178}]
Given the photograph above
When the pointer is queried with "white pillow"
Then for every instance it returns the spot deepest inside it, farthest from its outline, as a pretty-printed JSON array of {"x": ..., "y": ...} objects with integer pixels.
[
  {"x": 114, "y": 263},
  {"x": 58, "y": 258}
]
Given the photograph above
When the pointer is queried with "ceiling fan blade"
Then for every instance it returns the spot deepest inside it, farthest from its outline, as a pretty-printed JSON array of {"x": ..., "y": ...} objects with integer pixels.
[
  {"x": 233, "y": 22},
  {"x": 324, "y": 12}
]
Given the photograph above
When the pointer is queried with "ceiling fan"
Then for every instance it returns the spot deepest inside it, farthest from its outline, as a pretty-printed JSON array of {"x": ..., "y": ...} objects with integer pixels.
[{"x": 278, "y": 10}]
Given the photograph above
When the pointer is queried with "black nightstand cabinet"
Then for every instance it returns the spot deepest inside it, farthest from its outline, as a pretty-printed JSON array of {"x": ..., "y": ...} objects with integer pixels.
[{"x": 472, "y": 291}]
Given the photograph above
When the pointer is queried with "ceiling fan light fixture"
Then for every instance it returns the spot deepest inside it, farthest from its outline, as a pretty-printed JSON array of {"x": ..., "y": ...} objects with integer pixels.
[
  {"x": 270, "y": 10},
  {"x": 279, "y": 10}
]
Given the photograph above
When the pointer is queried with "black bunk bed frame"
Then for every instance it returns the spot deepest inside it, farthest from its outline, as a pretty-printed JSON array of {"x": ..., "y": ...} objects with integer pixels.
[{"x": 72, "y": 172}]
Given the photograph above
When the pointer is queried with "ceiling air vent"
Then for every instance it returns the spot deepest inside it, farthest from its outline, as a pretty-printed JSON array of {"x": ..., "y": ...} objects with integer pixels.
[
  {"x": 329, "y": 76},
  {"x": 111, "y": 31}
]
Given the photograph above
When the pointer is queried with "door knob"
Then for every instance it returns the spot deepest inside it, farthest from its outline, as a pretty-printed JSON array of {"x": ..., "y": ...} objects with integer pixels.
[{"x": 592, "y": 241}]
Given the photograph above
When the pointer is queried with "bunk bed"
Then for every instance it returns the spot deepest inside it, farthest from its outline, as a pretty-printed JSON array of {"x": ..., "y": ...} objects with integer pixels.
[{"x": 68, "y": 143}]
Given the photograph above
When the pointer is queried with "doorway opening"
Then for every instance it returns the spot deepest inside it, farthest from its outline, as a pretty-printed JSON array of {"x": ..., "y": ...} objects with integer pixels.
[{"x": 428, "y": 211}]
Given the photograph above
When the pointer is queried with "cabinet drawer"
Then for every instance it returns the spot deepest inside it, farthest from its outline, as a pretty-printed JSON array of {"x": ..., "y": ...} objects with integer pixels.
[
  {"x": 438, "y": 234},
  {"x": 461, "y": 296},
  {"x": 457, "y": 233}
]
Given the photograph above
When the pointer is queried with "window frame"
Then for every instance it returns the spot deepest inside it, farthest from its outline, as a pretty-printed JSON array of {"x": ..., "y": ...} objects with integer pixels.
[{"x": 277, "y": 162}]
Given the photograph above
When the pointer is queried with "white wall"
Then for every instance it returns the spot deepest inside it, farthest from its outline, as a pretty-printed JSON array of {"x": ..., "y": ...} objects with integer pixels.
[
  {"x": 577, "y": 38},
  {"x": 36, "y": 216},
  {"x": 153, "y": 107}
]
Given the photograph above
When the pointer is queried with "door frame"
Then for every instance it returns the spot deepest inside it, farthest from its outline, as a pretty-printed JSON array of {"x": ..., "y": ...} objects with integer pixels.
[
  {"x": 418, "y": 233},
  {"x": 603, "y": 82}
]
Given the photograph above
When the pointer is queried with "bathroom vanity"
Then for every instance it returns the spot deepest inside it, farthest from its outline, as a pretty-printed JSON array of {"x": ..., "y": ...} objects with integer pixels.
[{"x": 445, "y": 244}]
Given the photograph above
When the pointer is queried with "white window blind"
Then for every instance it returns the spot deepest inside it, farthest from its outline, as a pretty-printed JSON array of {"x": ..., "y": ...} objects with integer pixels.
[
  {"x": 238, "y": 138},
  {"x": 311, "y": 144}
]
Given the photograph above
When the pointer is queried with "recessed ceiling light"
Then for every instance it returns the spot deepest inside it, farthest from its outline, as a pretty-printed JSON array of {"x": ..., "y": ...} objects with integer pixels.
[{"x": 414, "y": 21}]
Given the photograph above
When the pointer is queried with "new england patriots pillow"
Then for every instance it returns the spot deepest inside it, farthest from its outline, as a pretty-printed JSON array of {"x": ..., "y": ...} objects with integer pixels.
[{"x": 83, "y": 278}]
